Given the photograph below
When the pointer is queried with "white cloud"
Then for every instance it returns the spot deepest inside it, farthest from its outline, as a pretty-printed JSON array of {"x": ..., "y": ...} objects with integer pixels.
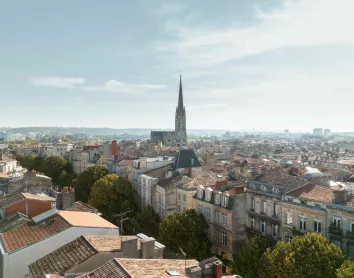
[
  {"x": 60, "y": 82},
  {"x": 168, "y": 8},
  {"x": 109, "y": 86},
  {"x": 302, "y": 23}
]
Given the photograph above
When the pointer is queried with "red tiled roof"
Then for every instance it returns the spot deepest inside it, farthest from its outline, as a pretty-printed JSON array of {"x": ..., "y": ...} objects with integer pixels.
[
  {"x": 25, "y": 235},
  {"x": 80, "y": 206},
  {"x": 314, "y": 192},
  {"x": 111, "y": 269},
  {"x": 277, "y": 177},
  {"x": 11, "y": 199}
]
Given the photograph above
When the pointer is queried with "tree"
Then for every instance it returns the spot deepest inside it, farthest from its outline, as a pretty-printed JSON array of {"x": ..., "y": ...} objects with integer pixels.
[
  {"x": 186, "y": 231},
  {"x": 247, "y": 262},
  {"x": 346, "y": 270},
  {"x": 65, "y": 179},
  {"x": 84, "y": 182},
  {"x": 111, "y": 195},
  {"x": 147, "y": 221},
  {"x": 53, "y": 166},
  {"x": 311, "y": 255}
]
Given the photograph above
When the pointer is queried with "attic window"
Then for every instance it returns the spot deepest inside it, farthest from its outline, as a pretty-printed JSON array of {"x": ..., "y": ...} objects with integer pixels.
[
  {"x": 252, "y": 186},
  {"x": 192, "y": 161},
  {"x": 264, "y": 188},
  {"x": 275, "y": 190}
]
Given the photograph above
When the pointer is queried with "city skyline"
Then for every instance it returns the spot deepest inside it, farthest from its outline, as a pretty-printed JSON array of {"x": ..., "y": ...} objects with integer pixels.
[{"x": 266, "y": 64}]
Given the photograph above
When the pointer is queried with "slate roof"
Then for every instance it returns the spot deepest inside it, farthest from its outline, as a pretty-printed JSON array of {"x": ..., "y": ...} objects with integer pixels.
[
  {"x": 63, "y": 258},
  {"x": 80, "y": 206},
  {"x": 314, "y": 192},
  {"x": 9, "y": 200},
  {"x": 159, "y": 172},
  {"x": 30, "y": 233},
  {"x": 13, "y": 220},
  {"x": 111, "y": 269},
  {"x": 185, "y": 158}
]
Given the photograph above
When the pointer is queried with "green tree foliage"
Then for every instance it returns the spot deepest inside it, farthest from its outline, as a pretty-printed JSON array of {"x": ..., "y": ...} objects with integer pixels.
[
  {"x": 346, "y": 270},
  {"x": 84, "y": 182},
  {"x": 147, "y": 221},
  {"x": 247, "y": 262},
  {"x": 111, "y": 195},
  {"x": 187, "y": 231},
  {"x": 53, "y": 166},
  {"x": 30, "y": 162},
  {"x": 65, "y": 179},
  {"x": 311, "y": 255}
]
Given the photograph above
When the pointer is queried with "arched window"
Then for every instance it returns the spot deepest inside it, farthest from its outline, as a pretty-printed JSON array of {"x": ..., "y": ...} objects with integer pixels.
[
  {"x": 264, "y": 188},
  {"x": 275, "y": 190},
  {"x": 252, "y": 186}
]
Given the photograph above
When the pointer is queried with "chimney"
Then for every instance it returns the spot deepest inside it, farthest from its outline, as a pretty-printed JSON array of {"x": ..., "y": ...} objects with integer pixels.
[
  {"x": 147, "y": 248},
  {"x": 130, "y": 247},
  {"x": 66, "y": 198},
  {"x": 340, "y": 196},
  {"x": 114, "y": 148},
  {"x": 194, "y": 271},
  {"x": 218, "y": 269}
]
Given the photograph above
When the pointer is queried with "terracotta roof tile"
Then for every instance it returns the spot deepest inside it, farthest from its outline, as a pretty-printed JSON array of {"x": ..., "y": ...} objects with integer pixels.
[
  {"x": 80, "y": 206},
  {"x": 111, "y": 269},
  {"x": 277, "y": 177},
  {"x": 314, "y": 192},
  {"x": 9, "y": 200},
  {"x": 85, "y": 219},
  {"x": 108, "y": 243},
  {"x": 30, "y": 233},
  {"x": 62, "y": 259}
]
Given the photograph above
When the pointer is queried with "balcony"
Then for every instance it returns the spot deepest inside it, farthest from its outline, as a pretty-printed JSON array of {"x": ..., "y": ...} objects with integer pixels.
[
  {"x": 350, "y": 235},
  {"x": 275, "y": 215},
  {"x": 335, "y": 230}
]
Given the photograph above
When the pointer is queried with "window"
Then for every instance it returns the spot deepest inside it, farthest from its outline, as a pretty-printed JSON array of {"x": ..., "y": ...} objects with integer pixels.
[
  {"x": 275, "y": 190},
  {"x": 252, "y": 186},
  {"x": 217, "y": 216},
  {"x": 289, "y": 218},
  {"x": 208, "y": 196},
  {"x": 275, "y": 230},
  {"x": 178, "y": 208},
  {"x": 208, "y": 213},
  {"x": 351, "y": 226},
  {"x": 224, "y": 202},
  {"x": 217, "y": 199},
  {"x": 336, "y": 222},
  {"x": 263, "y": 226},
  {"x": 252, "y": 222},
  {"x": 200, "y": 209},
  {"x": 317, "y": 226},
  {"x": 224, "y": 219},
  {"x": 179, "y": 196},
  {"x": 184, "y": 197},
  {"x": 264, "y": 188},
  {"x": 200, "y": 193},
  {"x": 253, "y": 204},
  {"x": 264, "y": 207},
  {"x": 288, "y": 238},
  {"x": 217, "y": 233},
  {"x": 275, "y": 209},
  {"x": 184, "y": 209},
  {"x": 224, "y": 238},
  {"x": 302, "y": 223}
]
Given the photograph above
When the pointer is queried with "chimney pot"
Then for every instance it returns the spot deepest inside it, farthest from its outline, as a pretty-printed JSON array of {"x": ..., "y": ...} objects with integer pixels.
[{"x": 218, "y": 269}]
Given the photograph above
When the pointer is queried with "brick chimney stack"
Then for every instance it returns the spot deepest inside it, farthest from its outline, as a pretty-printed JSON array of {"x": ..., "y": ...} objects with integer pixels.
[{"x": 114, "y": 148}]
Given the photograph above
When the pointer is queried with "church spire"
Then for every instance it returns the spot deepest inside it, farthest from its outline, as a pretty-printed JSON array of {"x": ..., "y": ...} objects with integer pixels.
[{"x": 180, "y": 95}]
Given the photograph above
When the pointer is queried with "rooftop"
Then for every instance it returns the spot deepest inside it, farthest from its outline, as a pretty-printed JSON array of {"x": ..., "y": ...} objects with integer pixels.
[
  {"x": 159, "y": 172},
  {"x": 80, "y": 206},
  {"x": 63, "y": 258},
  {"x": 85, "y": 219},
  {"x": 314, "y": 192},
  {"x": 9, "y": 200},
  {"x": 108, "y": 243},
  {"x": 186, "y": 158},
  {"x": 277, "y": 177},
  {"x": 40, "y": 197},
  {"x": 13, "y": 220},
  {"x": 30, "y": 233},
  {"x": 111, "y": 269}
]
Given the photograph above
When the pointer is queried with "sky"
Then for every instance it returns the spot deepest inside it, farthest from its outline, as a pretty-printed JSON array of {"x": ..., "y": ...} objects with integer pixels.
[{"x": 245, "y": 64}]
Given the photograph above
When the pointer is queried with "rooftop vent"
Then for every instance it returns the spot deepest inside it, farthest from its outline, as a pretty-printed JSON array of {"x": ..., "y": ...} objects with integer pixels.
[{"x": 173, "y": 273}]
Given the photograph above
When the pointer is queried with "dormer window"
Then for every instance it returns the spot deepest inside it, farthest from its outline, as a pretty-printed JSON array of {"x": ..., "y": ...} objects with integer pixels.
[
  {"x": 252, "y": 186},
  {"x": 208, "y": 194},
  {"x": 264, "y": 188},
  {"x": 200, "y": 192},
  {"x": 217, "y": 199},
  {"x": 225, "y": 200},
  {"x": 275, "y": 190},
  {"x": 192, "y": 161}
]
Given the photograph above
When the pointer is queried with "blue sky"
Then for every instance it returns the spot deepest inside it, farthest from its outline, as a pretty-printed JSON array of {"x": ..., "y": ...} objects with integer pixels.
[{"x": 263, "y": 64}]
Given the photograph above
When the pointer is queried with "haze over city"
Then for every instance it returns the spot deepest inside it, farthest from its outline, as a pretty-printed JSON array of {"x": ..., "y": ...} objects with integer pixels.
[{"x": 265, "y": 64}]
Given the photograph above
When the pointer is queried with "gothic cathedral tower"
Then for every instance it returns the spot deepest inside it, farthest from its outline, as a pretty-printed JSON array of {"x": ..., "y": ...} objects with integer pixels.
[{"x": 180, "y": 122}]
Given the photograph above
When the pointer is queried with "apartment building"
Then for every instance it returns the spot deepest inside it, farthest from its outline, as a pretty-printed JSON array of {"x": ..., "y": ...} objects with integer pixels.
[{"x": 224, "y": 211}]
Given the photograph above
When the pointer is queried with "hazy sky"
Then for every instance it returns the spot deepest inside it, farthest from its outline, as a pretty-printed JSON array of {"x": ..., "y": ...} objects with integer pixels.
[{"x": 269, "y": 64}]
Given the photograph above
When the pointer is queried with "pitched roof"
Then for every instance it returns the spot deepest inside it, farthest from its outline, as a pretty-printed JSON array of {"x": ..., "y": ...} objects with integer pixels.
[
  {"x": 126, "y": 162},
  {"x": 13, "y": 220},
  {"x": 85, "y": 219},
  {"x": 277, "y": 177},
  {"x": 186, "y": 158},
  {"x": 154, "y": 268},
  {"x": 80, "y": 206},
  {"x": 314, "y": 192},
  {"x": 63, "y": 258},
  {"x": 108, "y": 243},
  {"x": 40, "y": 197},
  {"x": 111, "y": 269},
  {"x": 159, "y": 172},
  {"x": 30, "y": 233},
  {"x": 11, "y": 199}
]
